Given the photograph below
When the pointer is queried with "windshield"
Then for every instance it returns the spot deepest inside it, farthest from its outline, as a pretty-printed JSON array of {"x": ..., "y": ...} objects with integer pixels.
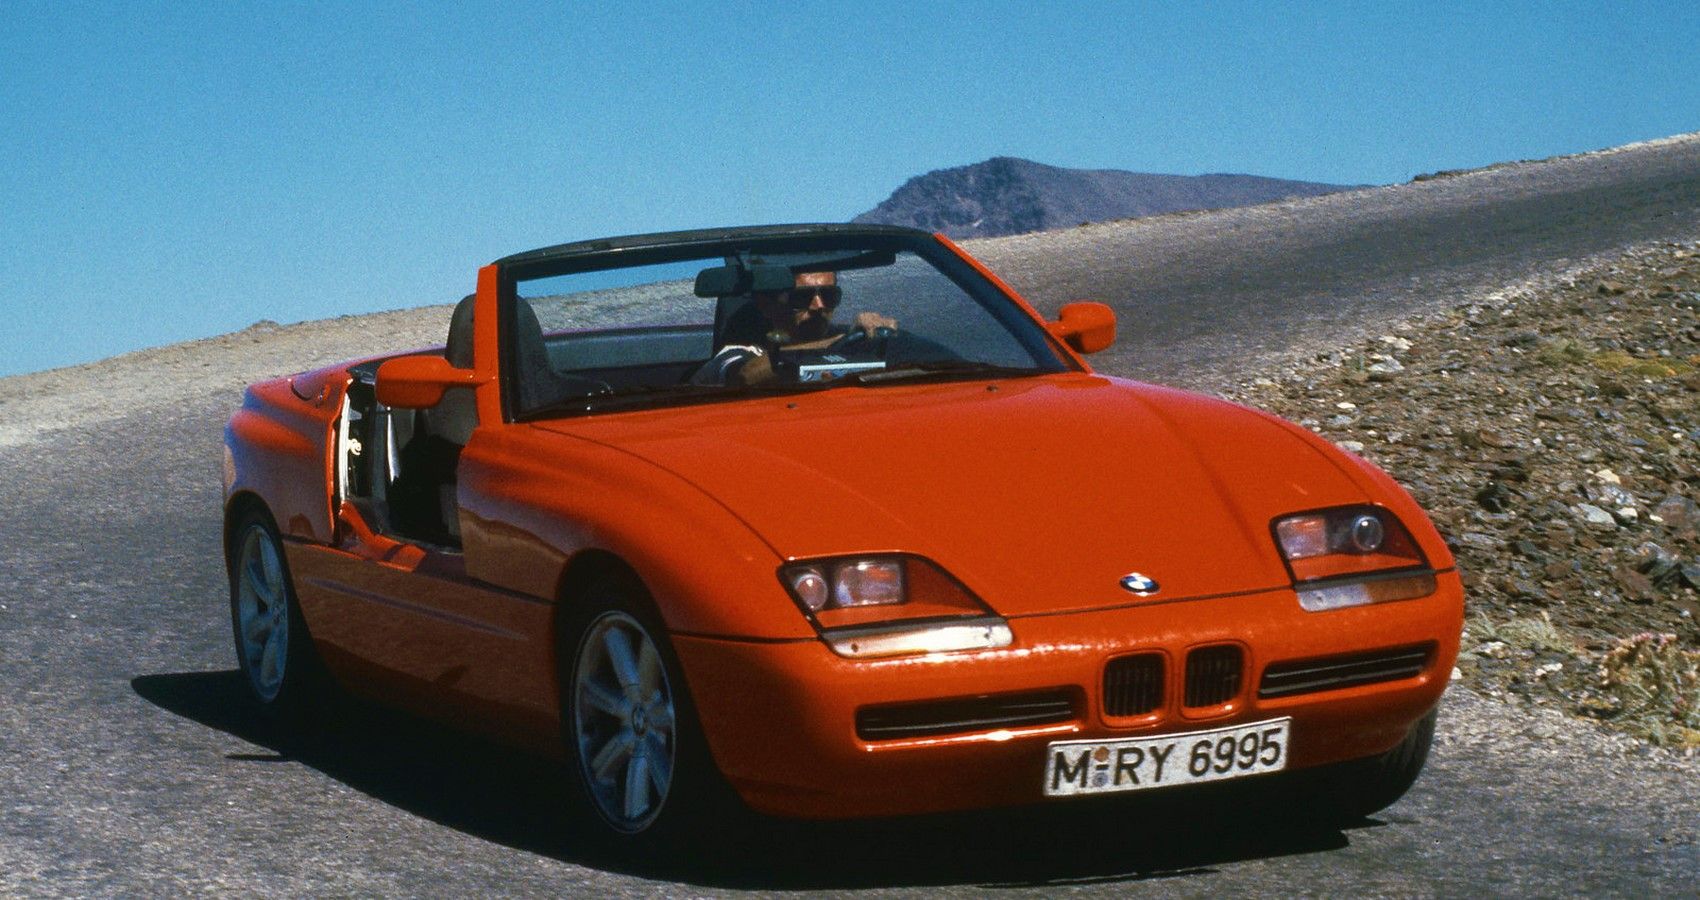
[{"x": 754, "y": 320}]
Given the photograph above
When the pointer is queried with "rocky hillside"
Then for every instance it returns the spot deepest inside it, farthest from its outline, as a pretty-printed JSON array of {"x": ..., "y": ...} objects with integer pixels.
[
  {"x": 1005, "y": 195},
  {"x": 1554, "y": 436}
]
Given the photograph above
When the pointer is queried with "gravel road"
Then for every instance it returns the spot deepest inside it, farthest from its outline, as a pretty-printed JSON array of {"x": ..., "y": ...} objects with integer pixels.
[{"x": 129, "y": 766}]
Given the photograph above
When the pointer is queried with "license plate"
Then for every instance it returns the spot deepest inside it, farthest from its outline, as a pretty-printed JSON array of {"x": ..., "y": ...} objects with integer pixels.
[{"x": 1133, "y": 764}]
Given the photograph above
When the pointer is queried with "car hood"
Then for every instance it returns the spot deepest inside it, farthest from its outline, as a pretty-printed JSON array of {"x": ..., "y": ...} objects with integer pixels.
[{"x": 1038, "y": 493}]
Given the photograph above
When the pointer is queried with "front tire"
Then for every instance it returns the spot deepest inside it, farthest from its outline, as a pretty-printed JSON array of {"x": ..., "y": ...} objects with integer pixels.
[
  {"x": 1353, "y": 790},
  {"x": 638, "y": 756}
]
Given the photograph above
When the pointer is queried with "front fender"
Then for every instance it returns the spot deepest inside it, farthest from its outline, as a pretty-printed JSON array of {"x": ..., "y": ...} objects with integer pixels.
[
  {"x": 532, "y": 500},
  {"x": 278, "y": 447}
]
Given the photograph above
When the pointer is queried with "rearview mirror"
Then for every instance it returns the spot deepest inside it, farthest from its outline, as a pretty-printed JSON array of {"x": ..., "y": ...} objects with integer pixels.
[
  {"x": 416, "y": 382},
  {"x": 725, "y": 281},
  {"x": 1086, "y": 327}
]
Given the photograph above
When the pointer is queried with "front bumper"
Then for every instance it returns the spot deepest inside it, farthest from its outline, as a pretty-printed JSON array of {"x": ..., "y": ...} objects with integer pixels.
[{"x": 780, "y": 718}]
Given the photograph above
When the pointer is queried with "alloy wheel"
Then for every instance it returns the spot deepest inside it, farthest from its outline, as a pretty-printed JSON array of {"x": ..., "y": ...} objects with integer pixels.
[
  {"x": 262, "y": 612},
  {"x": 623, "y": 721}
]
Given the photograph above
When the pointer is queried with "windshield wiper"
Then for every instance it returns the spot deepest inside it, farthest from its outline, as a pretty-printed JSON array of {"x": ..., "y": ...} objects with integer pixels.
[
  {"x": 944, "y": 369},
  {"x": 650, "y": 394}
]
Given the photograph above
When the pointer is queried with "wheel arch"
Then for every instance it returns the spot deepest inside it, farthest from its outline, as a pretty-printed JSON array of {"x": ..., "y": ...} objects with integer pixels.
[
  {"x": 238, "y": 505},
  {"x": 585, "y": 569}
]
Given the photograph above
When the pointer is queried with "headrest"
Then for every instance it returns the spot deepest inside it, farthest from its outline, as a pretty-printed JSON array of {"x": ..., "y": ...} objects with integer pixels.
[{"x": 459, "y": 348}]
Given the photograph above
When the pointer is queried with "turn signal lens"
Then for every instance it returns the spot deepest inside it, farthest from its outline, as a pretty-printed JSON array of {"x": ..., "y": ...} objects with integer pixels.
[
  {"x": 1340, "y": 594},
  {"x": 1351, "y": 556},
  {"x": 904, "y": 639}
]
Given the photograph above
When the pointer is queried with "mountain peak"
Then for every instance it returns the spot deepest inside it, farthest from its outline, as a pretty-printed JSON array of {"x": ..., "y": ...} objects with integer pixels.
[{"x": 1011, "y": 195}]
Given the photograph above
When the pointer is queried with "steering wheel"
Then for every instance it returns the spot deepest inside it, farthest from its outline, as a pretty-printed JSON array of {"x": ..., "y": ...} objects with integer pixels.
[{"x": 859, "y": 342}]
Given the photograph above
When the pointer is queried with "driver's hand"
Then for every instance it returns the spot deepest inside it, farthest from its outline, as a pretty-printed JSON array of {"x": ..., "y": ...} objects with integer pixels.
[{"x": 870, "y": 322}]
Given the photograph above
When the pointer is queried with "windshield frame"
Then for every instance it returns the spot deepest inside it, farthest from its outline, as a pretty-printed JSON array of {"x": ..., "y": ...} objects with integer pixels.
[{"x": 619, "y": 253}]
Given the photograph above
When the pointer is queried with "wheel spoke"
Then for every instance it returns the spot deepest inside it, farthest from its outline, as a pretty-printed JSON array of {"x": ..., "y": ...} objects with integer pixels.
[
  {"x": 613, "y": 755},
  {"x": 619, "y": 649},
  {"x": 649, "y": 671},
  {"x": 272, "y": 568},
  {"x": 601, "y": 698},
  {"x": 637, "y": 786},
  {"x": 256, "y": 629},
  {"x": 254, "y": 573},
  {"x": 660, "y": 763},
  {"x": 270, "y": 661}
]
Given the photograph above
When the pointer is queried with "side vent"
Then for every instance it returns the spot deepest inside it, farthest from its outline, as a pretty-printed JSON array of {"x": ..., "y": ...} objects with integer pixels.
[
  {"x": 1330, "y": 673},
  {"x": 1212, "y": 675},
  {"x": 1133, "y": 685},
  {"x": 962, "y": 715}
]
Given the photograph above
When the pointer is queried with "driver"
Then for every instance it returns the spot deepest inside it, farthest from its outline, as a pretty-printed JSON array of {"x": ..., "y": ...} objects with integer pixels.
[{"x": 796, "y": 319}]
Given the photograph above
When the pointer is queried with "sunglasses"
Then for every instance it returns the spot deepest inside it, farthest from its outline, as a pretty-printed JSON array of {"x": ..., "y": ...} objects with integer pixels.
[{"x": 802, "y": 298}]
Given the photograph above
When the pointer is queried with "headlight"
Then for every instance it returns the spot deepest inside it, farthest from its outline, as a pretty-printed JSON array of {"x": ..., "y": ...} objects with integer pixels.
[
  {"x": 891, "y": 605},
  {"x": 1350, "y": 556}
]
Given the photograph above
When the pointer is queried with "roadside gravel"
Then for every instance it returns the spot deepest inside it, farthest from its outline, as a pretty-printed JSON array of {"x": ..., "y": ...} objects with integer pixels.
[{"x": 1552, "y": 430}]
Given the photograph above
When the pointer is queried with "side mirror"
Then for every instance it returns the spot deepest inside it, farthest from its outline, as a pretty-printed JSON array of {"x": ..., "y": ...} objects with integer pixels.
[
  {"x": 415, "y": 382},
  {"x": 1087, "y": 327}
]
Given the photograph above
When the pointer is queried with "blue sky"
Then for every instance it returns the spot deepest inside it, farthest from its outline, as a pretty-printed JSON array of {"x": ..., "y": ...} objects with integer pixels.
[{"x": 172, "y": 171}]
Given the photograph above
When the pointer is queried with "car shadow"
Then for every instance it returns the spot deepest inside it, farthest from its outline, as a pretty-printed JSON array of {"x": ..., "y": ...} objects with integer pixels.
[{"x": 521, "y": 801}]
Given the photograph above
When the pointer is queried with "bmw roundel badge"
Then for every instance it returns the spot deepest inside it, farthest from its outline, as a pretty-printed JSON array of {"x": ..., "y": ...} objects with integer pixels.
[{"x": 1139, "y": 584}]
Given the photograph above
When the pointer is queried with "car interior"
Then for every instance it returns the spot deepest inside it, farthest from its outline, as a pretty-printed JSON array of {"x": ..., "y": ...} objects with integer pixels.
[{"x": 399, "y": 465}]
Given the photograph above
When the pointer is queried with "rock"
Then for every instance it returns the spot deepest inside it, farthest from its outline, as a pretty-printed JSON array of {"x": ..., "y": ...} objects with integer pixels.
[
  {"x": 1636, "y": 587},
  {"x": 1352, "y": 446},
  {"x": 1520, "y": 339},
  {"x": 1626, "y": 514},
  {"x": 1678, "y": 512},
  {"x": 1387, "y": 366},
  {"x": 1608, "y": 476},
  {"x": 1493, "y": 650},
  {"x": 1691, "y": 575},
  {"x": 1612, "y": 288},
  {"x": 1494, "y": 439},
  {"x": 1528, "y": 590},
  {"x": 1655, "y": 562},
  {"x": 1495, "y": 497},
  {"x": 1595, "y": 518},
  {"x": 1528, "y": 550},
  {"x": 1609, "y": 494},
  {"x": 1511, "y": 469},
  {"x": 1479, "y": 541}
]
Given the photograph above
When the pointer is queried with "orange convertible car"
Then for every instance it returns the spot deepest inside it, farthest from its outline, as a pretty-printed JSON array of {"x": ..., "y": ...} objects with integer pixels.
[{"x": 828, "y": 515}]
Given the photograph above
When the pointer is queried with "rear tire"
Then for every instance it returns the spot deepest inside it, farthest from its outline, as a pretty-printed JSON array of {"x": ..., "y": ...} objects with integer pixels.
[{"x": 273, "y": 648}]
